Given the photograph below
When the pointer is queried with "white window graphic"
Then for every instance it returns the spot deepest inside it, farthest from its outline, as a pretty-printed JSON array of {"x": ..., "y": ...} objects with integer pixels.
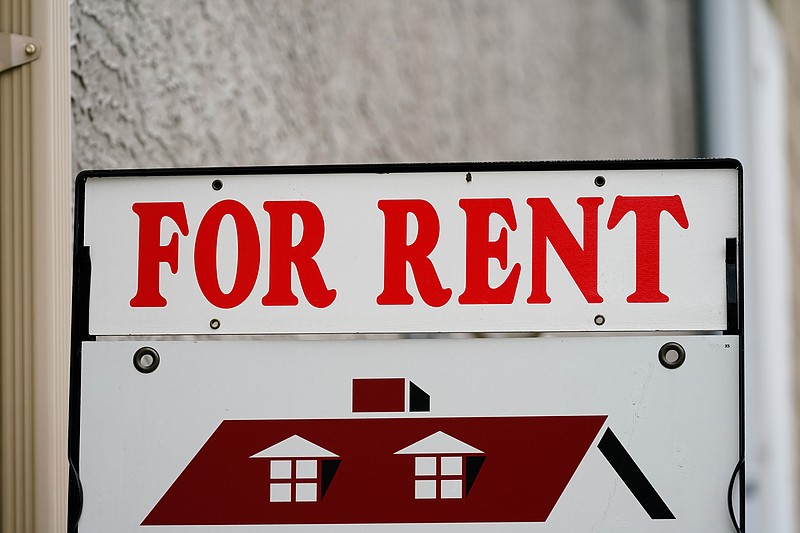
[
  {"x": 294, "y": 470},
  {"x": 439, "y": 466},
  {"x": 294, "y": 480},
  {"x": 439, "y": 477}
]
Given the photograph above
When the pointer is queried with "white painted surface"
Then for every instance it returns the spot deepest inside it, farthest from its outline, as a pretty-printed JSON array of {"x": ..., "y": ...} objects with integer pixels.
[
  {"x": 745, "y": 90},
  {"x": 770, "y": 297}
]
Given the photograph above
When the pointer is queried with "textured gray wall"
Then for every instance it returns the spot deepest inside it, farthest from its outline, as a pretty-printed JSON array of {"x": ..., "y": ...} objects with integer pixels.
[{"x": 164, "y": 83}]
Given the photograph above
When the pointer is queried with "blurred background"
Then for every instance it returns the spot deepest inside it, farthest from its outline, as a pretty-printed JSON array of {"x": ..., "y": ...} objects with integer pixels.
[{"x": 146, "y": 83}]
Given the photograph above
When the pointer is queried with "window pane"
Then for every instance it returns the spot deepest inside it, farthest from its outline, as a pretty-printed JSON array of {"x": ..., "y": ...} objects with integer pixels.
[
  {"x": 280, "y": 492},
  {"x": 451, "y": 466},
  {"x": 306, "y": 492},
  {"x": 425, "y": 466},
  {"x": 425, "y": 489},
  {"x": 307, "y": 469},
  {"x": 451, "y": 488},
  {"x": 280, "y": 469}
]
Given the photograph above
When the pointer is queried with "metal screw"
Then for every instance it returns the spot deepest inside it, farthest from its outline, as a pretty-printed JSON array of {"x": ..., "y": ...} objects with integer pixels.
[
  {"x": 214, "y": 323},
  {"x": 30, "y": 49},
  {"x": 599, "y": 320}
]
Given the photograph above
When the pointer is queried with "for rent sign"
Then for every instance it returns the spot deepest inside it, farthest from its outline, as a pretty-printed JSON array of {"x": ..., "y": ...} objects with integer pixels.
[
  {"x": 613, "y": 404},
  {"x": 413, "y": 250}
]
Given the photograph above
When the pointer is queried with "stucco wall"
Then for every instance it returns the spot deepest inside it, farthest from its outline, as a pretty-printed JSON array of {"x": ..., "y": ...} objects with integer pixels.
[{"x": 217, "y": 82}]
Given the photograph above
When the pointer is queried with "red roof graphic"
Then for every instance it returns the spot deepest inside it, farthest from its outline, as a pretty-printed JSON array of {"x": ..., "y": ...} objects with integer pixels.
[{"x": 521, "y": 469}]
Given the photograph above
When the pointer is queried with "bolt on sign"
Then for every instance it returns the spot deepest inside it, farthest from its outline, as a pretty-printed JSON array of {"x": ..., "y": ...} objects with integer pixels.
[{"x": 549, "y": 347}]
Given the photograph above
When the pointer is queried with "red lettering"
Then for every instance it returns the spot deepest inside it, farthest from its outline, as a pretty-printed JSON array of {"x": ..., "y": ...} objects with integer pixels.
[
  {"x": 282, "y": 255},
  {"x": 248, "y": 254},
  {"x": 647, "y": 213},
  {"x": 480, "y": 250},
  {"x": 397, "y": 253},
  {"x": 152, "y": 253},
  {"x": 581, "y": 262}
]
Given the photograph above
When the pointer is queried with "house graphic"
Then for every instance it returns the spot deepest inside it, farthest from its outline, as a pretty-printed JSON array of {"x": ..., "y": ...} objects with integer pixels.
[
  {"x": 299, "y": 470},
  {"x": 444, "y": 467},
  {"x": 391, "y": 469}
]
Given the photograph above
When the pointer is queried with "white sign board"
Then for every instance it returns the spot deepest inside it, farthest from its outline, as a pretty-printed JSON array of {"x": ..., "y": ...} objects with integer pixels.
[
  {"x": 580, "y": 371},
  {"x": 410, "y": 251},
  {"x": 182, "y": 451}
]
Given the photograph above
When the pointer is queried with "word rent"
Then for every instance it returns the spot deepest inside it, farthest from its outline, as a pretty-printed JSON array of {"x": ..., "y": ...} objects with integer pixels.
[{"x": 290, "y": 251}]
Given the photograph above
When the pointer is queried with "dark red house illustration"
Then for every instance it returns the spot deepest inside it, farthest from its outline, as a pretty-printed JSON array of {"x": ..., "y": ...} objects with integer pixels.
[{"x": 396, "y": 469}]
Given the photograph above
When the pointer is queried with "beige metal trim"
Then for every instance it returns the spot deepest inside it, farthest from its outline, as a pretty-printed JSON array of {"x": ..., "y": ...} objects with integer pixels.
[
  {"x": 34, "y": 271},
  {"x": 52, "y": 250}
]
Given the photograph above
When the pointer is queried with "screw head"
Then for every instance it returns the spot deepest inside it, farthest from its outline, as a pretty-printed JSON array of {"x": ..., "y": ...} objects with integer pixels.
[{"x": 30, "y": 49}]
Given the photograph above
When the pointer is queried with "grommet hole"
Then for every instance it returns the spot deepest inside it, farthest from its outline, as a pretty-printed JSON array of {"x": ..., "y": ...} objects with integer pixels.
[
  {"x": 671, "y": 355},
  {"x": 146, "y": 360},
  {"x": 216, "y": 185}
]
